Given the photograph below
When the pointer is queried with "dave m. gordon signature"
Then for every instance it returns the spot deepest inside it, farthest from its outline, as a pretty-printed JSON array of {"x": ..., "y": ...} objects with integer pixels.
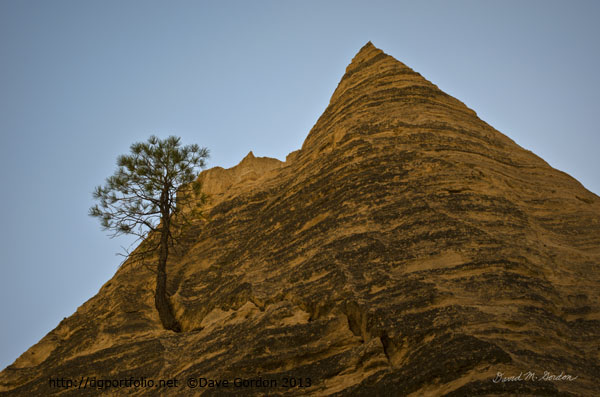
[{"x": 532, "y": 376}]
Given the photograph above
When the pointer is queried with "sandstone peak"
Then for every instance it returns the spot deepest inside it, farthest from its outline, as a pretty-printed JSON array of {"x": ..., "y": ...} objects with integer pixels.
[
  {"x": 367, "y": 51},
  {"x": 408, "y": 248},
  {"x": 377, "y": 88},
  {"x": 219, "y": 183}
]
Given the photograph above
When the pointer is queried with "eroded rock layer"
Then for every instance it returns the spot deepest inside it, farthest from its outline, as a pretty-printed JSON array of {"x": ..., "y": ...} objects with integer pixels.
[{"x": 407, "y": 249}]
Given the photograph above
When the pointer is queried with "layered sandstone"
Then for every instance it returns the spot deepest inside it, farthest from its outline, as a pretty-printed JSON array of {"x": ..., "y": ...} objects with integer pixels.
[{"x": 408, "y": 248}]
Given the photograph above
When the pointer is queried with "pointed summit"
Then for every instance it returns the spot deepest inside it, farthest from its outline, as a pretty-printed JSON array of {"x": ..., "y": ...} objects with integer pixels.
[
  {"x": 249, "y": 156},
  {"x": 365, "y": 52},
  {"x": 378, "y": 87}
]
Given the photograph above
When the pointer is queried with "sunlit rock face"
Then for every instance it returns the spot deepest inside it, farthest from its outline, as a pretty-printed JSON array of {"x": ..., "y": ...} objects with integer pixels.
[{"x": 408, "y": 248}]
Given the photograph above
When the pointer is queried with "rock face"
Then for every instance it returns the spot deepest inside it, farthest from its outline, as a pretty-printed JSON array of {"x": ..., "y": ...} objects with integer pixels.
[{"x": 408, "y": 248}]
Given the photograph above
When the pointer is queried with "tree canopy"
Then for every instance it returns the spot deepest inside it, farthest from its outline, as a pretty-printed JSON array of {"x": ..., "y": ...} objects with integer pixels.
[{"x": 144, "y": 188}]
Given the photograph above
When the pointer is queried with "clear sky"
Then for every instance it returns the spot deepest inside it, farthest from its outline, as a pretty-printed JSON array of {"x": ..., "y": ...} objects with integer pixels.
[{"x": 82, "y": 80}]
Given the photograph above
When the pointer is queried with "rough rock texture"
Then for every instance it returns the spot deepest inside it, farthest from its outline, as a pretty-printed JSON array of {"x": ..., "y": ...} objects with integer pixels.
[{"x": 407, "y": 249}]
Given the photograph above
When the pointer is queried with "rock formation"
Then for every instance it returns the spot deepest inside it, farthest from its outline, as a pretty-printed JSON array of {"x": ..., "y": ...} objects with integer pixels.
[{"x": 408, "y": 248}]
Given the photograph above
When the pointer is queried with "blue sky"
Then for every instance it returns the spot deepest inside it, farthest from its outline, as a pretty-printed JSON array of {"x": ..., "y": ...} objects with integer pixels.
[{"x": 82, "y": 80}]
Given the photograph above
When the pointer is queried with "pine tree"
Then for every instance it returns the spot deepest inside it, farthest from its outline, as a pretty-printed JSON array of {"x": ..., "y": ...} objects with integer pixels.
[{"x": 146, "y": 197}]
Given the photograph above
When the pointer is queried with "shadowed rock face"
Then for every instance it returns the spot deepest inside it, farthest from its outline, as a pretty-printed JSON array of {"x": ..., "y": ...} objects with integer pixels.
[{"x": 407, "y": 248}]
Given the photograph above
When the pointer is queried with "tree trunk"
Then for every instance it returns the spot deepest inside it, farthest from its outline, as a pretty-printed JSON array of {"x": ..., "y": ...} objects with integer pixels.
[{"x": 161, "y": 300}]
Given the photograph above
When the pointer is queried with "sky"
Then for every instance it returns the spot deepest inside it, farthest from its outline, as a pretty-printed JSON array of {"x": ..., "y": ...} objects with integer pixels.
[{"x": 80, "y": 81}]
